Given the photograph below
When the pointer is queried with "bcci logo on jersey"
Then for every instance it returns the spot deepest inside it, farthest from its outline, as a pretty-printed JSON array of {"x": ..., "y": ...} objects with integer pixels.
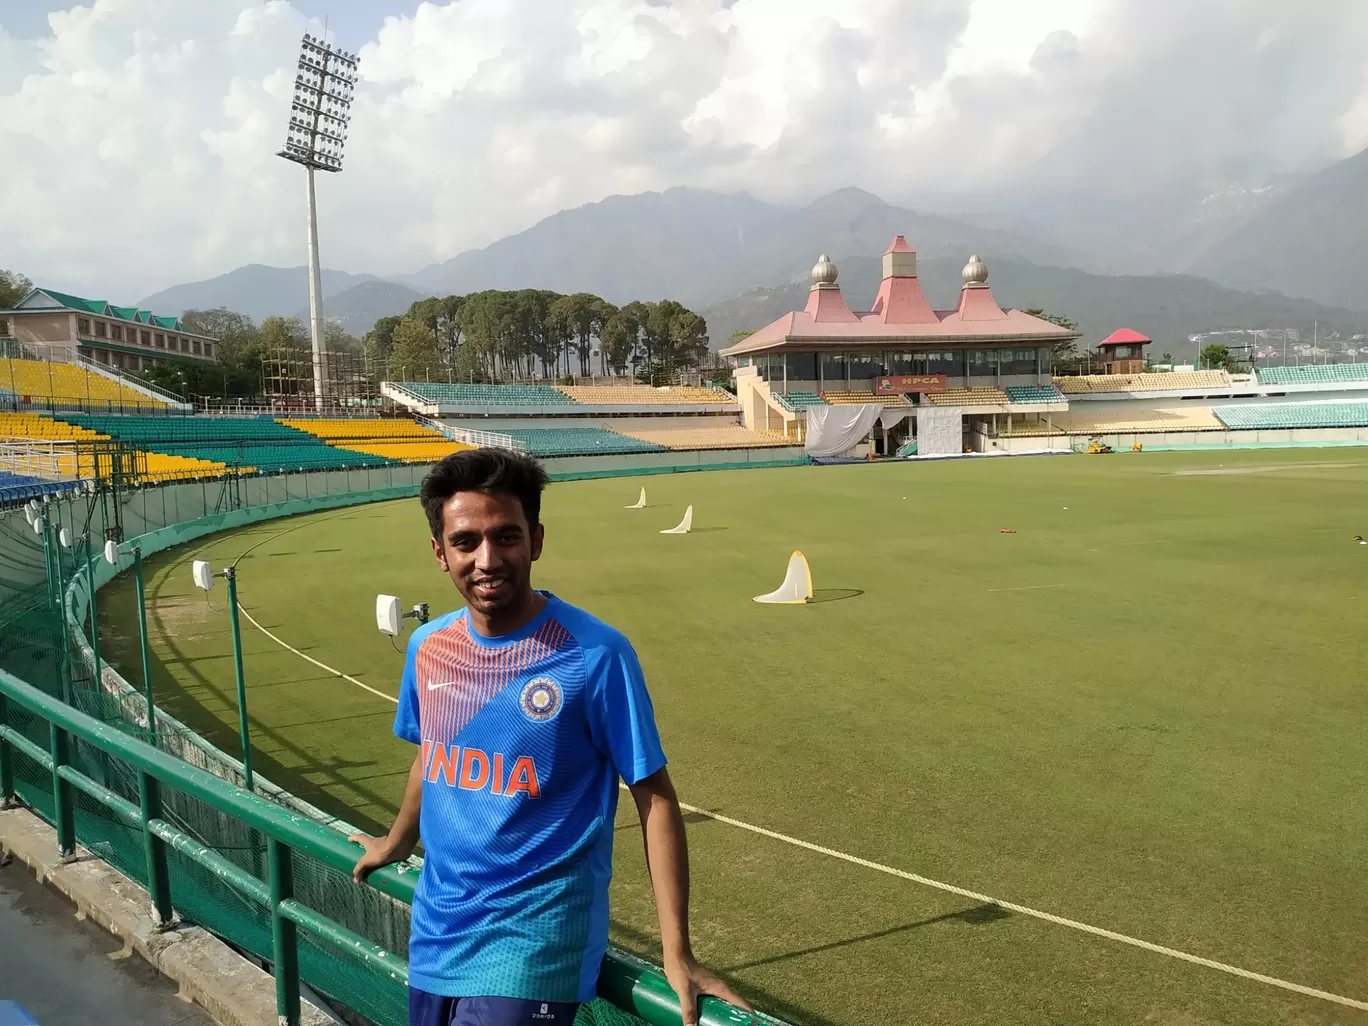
[{"x": 541, "y": 699}]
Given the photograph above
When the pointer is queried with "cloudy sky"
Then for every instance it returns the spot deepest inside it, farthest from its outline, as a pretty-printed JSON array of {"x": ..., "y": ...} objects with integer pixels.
[{"x": 139, "y": 136}]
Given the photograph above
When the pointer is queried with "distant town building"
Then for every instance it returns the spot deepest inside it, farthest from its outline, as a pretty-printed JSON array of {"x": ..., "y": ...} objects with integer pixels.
[{"x": 57, "y": 326}]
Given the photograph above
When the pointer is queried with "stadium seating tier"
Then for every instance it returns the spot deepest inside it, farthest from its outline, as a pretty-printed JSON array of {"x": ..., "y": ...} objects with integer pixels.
[
  {"x": 979, "y": 395},
  {"x": 70, "y": 384},
  {"x": 802, "y": 400},
  {"x": 455, "y": 394},
  {"x": 645, "y": 395},
  {"x": 1153, "y": 382},
  {"x": 729, "y": 436},
  {"x": 1033, "y": 393},
  {"x": 1314, "y": 374},
  {"x": 578, "y": 441},
  {"x": 1277, "y": 416}
]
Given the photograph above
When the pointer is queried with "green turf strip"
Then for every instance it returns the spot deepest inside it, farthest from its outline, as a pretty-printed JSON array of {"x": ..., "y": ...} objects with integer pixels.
[{"x": 1145, "y": 712}]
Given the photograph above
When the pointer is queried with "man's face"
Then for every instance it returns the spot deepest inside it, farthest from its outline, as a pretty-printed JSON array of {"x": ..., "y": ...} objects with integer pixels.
[{"x": 488, "y": 549}]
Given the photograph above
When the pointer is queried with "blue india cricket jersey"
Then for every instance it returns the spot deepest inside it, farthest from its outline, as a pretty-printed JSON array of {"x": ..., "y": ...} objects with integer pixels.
[{"x": 524, "y": 737}]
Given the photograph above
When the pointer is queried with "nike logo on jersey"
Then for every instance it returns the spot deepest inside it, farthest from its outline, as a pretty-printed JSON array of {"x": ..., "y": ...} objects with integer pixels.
[{"x": 433, "y": 685}]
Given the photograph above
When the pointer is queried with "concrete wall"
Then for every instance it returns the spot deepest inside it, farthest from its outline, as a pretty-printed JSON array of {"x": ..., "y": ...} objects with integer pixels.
[
  {"x": 1168, "y": 439},
  {"x": 44, "y": 329},
  {"x": 624, "y": 423}
]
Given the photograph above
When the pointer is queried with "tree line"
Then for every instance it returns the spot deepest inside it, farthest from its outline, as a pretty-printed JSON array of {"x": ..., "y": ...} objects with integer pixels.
[{"x": 527, "y": 334}]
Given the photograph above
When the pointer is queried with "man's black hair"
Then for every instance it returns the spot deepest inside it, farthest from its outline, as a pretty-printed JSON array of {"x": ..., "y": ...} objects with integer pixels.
[{"x": 491, "y": 471}]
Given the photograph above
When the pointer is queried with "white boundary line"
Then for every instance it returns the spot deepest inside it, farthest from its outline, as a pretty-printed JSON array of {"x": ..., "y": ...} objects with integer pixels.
[{"x": 901, "y": 874}]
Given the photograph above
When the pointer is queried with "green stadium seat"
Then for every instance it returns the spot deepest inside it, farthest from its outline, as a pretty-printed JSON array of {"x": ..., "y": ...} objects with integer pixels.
[
  {"x": 455, "y": 394},
  {"x": 1033, "y": 393},
  {"x": 1277, "y": 416},
  {"x": 579, "y": 442},
  {"x": 1315, "y": 374},
  {"x": 258, "y": 442},
  {"x": 802, "y": 400}
]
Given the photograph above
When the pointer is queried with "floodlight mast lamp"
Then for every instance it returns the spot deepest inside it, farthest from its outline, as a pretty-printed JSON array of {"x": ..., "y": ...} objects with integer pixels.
[{"x": 317, "y": 135}]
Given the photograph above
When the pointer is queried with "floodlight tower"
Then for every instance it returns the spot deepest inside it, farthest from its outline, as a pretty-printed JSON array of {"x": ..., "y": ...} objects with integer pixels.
[{"x": 319, "y": 114}]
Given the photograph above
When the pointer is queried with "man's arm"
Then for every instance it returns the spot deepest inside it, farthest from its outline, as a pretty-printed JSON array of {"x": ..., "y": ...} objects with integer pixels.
[
  {"x": 667, "y": 859},
  {"x": 402, "y": 838}
]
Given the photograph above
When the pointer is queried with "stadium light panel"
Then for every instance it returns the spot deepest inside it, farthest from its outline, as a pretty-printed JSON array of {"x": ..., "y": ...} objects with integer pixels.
[
  {"x": 38, "y": 524},
  {"x": 325, "y": 83},
  {"x": 203, "y": 574},
  {"x": 111, "y": 553},
  {"x": 64, "y": 537}
]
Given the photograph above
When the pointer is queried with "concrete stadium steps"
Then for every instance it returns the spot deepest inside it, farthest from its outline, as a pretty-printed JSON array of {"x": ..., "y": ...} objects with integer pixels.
[
  {"x": 731, "y": 436},
  {"x": 1313, "y": 374},
  {"x": 1274, "y": 416},
  {"x": 71, "y": 384},
  {"x": 1086, "y": 422}
]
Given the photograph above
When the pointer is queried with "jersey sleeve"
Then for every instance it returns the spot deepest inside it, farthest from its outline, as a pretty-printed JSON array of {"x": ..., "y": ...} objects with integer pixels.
[
  {"x": 406, "y": 719},
  {"x": 621, "y": 718}
]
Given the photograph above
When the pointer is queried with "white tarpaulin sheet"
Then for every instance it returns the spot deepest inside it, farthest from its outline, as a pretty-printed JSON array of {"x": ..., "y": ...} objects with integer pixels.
[{"x": 835, "y": 430}]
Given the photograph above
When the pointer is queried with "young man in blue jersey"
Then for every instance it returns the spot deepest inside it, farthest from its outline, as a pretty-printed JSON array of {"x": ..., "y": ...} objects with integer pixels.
[{"x": 526, "y": 711}]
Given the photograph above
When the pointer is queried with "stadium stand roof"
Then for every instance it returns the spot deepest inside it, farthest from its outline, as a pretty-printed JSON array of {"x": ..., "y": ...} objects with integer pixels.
[{"x": 42, "y": 299}]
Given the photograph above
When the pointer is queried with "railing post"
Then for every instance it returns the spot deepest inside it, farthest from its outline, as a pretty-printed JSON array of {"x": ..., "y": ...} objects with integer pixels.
[
  {"x": 154, "y": 848},
  {"x": 63, "y": 811},
  {"x": 142, "y": 639},
  {"x": 284, "y": 936},
  {"x": 6, "y": 760}
]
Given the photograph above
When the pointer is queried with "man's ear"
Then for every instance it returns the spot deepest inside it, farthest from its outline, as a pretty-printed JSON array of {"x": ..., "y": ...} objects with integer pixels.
[
  {"x": 538, "y": 537},
  {"x": 440, "y": 555}
]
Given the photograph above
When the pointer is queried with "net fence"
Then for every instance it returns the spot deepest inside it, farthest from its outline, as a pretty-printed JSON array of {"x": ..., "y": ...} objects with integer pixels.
[{"x": 45, "y": 604}]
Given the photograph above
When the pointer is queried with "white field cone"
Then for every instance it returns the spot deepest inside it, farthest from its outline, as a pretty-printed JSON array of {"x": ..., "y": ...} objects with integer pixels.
[
  {"x": 685, "y": 525},
  {"x": 640, "y": 503},
  {"x": 797, "y": 587}
]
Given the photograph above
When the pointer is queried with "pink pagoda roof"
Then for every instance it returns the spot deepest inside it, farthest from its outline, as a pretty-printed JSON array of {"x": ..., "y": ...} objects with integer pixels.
[
  {"x": 1125, "y": 337},
  {"x": 900, "y": 313}
]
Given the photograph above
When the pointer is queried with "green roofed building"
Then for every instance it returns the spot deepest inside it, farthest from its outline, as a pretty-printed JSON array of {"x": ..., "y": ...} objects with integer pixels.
[{"x": 115, "y": 336}]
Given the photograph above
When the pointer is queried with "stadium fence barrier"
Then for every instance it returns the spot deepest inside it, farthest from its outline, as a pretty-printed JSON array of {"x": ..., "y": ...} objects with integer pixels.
[{"x": 266, "y": 871}]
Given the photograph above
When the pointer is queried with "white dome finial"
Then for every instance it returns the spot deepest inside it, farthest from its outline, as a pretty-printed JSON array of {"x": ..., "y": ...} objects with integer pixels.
[
  {"x": 975, "y": 273},
  {"x": 823, "y": 272}
]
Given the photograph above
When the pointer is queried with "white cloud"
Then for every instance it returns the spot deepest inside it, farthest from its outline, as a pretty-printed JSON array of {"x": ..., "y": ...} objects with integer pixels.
[{"x": 139, "y": 135}]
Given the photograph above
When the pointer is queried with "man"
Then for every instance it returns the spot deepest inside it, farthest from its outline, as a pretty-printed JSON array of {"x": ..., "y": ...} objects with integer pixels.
[{"x": 526, "y": 711}]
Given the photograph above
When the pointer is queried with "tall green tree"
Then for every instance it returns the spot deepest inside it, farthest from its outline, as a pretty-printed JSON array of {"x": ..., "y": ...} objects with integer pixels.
[
  {"x": 1066, "y": 350},
  {"x": 1216, "y": 356},
  {"x": 415, "y": 356},
  {"x": 13, "y": 287}
]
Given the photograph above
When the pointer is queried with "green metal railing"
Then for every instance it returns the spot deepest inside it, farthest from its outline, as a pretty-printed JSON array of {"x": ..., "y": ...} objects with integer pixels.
[{"x": 628, "y": 983}]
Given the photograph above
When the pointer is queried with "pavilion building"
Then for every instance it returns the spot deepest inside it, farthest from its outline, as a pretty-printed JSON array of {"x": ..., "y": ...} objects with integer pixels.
[{"x": 971, "y": 362}]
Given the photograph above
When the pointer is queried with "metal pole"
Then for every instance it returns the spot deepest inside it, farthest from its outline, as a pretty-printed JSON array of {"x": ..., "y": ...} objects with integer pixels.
[
  {"x": 231, "y": 574},
  {"x": 142, "y": 637},
  {"x": 315, "y": 298},
  {"x": 94, "y": 611},
  {"x": 284, "y": 936}
]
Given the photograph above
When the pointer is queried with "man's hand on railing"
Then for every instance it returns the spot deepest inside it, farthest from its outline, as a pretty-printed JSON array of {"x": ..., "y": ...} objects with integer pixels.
[
  {"x": 380, "y": 851},
  {"x": 691, "y": 981}
]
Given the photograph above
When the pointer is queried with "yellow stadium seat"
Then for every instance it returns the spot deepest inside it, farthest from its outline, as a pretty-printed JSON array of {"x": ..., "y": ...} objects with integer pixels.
[
  {"x": 391, "y": 438},
  {"x": 70, "y": 384}
]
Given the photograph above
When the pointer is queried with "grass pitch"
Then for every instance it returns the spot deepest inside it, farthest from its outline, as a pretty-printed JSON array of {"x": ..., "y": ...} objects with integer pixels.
[{"x": 1145, "y": 711}]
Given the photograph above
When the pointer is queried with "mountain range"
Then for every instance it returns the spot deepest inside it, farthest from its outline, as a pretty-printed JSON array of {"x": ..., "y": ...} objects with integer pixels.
[{"x": 1246, "y": 253}]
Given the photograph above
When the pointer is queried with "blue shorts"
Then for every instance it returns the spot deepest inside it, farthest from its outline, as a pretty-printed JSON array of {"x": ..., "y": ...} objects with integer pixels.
[{"x": 435, "y": 1010}]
